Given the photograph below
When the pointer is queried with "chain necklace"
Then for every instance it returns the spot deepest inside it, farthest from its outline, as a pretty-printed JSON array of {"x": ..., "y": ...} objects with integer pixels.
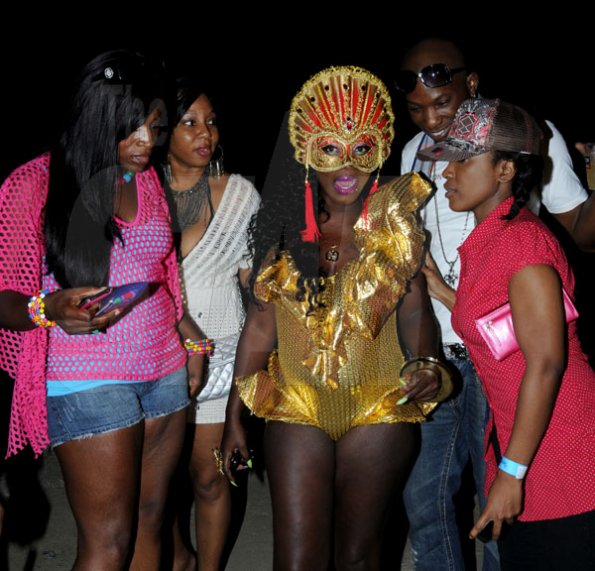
[
  {"x": 189, "y": 203},
  {"x": 451, "y": 276}
]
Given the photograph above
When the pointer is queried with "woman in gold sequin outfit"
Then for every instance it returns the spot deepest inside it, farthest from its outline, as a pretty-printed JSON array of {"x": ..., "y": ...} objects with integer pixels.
[{"x": 340, "y": 423}]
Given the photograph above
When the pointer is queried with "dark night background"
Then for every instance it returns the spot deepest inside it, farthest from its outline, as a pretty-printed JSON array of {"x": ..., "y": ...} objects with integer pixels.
[
  {"x": 254, "y": 61},
  {"x": 253, "y": 66},
  {"x": 255, "y": 71}
]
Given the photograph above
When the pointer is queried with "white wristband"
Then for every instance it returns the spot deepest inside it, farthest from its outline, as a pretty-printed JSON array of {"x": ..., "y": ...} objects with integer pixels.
[{"x": 513, "y": 468}]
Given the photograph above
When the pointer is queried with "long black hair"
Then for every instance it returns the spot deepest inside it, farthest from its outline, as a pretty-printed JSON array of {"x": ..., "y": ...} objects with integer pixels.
[
  {"x": 116, "y": 91},
  {"x": 529, "y": 172}
]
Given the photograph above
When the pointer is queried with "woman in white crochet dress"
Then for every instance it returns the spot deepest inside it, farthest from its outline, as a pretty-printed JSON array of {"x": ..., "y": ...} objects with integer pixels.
[{"x": 213, "y": 211}]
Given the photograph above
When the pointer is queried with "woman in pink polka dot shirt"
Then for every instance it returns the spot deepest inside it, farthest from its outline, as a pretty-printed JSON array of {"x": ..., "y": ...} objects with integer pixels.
[{"x": 541, "y": 434}]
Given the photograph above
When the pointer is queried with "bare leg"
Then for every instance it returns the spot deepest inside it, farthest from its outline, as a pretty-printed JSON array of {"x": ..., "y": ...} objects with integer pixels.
[
  {"x": 102, "y": 476},
  {"x": 300, "y": 464},
  {"x": 212, "y": 497},
  {"x": 181, "y": 500},
  {"x": 161, "y": 451},
  {"x": 372, "y": 465},
  {"x": 212, "y": 504}
]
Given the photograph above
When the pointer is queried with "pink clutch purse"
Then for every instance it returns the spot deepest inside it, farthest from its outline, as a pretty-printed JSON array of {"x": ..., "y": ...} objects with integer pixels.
[{"x": 498, "y": 332}]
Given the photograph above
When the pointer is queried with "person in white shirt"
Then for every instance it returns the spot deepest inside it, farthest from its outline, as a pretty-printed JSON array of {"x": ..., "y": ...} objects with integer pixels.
[{"x": 435, "y": 81}]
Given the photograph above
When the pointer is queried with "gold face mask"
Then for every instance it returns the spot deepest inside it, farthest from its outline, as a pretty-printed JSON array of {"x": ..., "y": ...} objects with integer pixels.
[
  {"x": 342, "y": 117},
  {"x": 329, "y": 153}
]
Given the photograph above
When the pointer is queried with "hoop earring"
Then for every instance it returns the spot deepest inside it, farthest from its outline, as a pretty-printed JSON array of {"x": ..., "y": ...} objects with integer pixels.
[{"x": 216, "y": 168}]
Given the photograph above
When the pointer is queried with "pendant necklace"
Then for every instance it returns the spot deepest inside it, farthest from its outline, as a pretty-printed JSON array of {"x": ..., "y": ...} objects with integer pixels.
[
  {"x": 451, "y": 275},
  {"x": 332, "y": 254}
]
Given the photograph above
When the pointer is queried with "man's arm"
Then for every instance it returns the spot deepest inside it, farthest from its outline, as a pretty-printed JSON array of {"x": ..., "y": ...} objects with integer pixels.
[{"x": 564, "y": 196}]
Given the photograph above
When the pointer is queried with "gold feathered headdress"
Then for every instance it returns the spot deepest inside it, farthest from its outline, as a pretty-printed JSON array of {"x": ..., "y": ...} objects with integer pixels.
[{"x": 348, "y": 110}]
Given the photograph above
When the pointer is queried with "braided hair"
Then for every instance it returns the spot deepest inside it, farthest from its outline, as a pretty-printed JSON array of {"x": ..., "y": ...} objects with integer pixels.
[{"x": 529, "y": 172}]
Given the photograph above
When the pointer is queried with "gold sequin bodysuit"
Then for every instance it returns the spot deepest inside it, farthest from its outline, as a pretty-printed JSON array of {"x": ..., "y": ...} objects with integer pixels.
[{"x": 337, "y": 366}]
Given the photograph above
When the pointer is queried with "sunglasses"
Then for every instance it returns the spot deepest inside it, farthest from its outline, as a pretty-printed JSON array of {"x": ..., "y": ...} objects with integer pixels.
[{"x": 435, "y": 75}]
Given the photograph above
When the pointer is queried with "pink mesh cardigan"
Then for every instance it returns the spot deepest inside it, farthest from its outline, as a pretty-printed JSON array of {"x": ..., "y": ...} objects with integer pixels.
[{"x": 143, "y": 345}]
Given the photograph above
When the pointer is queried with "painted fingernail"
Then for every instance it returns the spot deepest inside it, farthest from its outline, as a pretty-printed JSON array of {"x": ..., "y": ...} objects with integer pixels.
[
  {"x": 233, "y": 483},
  {"x": 402, "y": 400},
  {"x": 249, "y": 463}
]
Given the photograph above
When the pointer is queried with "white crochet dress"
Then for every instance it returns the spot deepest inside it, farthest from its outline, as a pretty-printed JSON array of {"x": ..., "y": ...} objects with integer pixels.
[{"x": 212, "y": 294}]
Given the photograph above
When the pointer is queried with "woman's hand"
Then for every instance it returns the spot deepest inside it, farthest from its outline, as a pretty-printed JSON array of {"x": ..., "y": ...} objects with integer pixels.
[
  {"x": 437, "y": 288},
  {"x": 234, "y": 439},
  {"x": 423, "y": 384},
  {"x": 505, "y": 502},
  {"x": 195, "y": 365},
  {"x": 195, "y": 368},
  {"x": 62, "y": 306}
]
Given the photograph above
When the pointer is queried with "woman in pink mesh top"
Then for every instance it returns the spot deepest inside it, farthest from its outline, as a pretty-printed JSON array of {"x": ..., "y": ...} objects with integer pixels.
[{"x": 107, "y": 392}]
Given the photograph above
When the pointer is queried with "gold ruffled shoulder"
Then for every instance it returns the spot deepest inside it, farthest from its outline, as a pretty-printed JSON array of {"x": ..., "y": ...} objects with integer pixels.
[
  {"x": 393, "y": 237},
  {"x": 278, "y": 276},
  {"x": 410, "y": 191},
  {"x": 399, "y": 197}
]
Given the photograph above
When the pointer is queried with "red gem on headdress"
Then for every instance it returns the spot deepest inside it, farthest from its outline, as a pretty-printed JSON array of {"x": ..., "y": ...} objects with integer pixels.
[{"x": 349, "y": 124}]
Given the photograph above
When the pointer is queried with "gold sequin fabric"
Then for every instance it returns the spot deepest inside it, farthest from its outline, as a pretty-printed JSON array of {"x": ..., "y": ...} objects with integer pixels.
[{"x": 337, "y": 366}]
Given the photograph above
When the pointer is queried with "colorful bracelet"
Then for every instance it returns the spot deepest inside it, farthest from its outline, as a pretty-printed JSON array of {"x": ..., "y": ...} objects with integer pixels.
[
  {"x": 513, "y": 468},
  {"x": 36, "y": 308},
  {"x": 200, "y": 347}
]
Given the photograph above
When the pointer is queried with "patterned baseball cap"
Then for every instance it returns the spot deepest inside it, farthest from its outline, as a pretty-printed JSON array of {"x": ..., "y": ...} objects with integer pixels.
[{"x": 484, "y": 125}]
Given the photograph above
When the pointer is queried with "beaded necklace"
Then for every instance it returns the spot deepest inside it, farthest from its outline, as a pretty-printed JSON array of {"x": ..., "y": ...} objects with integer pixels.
[{"x": 190, "y": 203}]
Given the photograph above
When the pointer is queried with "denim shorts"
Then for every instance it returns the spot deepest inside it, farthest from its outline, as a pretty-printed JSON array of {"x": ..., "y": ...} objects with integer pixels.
[{"x": 113, "y": 407}]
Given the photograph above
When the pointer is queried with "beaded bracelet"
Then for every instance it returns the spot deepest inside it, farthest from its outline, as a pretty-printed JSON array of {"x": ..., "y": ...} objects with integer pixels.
[
  {"x": 36, "y": 308},
  {"x": 200, "y": 347}
]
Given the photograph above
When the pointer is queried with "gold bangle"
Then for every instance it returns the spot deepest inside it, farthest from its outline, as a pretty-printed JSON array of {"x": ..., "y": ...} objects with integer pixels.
[
  {"x": 416, "y": 360},
  {"x": 417, "y": 363}
]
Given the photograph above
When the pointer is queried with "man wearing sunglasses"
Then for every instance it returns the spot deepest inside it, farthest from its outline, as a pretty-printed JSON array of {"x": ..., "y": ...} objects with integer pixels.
[{"x": 434, "y": 81}]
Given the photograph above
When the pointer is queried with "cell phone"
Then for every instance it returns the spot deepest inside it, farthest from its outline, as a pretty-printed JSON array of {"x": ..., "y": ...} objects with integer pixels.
[
  {"x": 88, "y": 301},
  {"x": 238, "y": 460},
  {"x": 115, "y": 297}
]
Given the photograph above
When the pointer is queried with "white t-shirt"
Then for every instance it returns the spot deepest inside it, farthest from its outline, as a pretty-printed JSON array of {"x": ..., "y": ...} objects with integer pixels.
[{"x": 448, "y": 229}]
